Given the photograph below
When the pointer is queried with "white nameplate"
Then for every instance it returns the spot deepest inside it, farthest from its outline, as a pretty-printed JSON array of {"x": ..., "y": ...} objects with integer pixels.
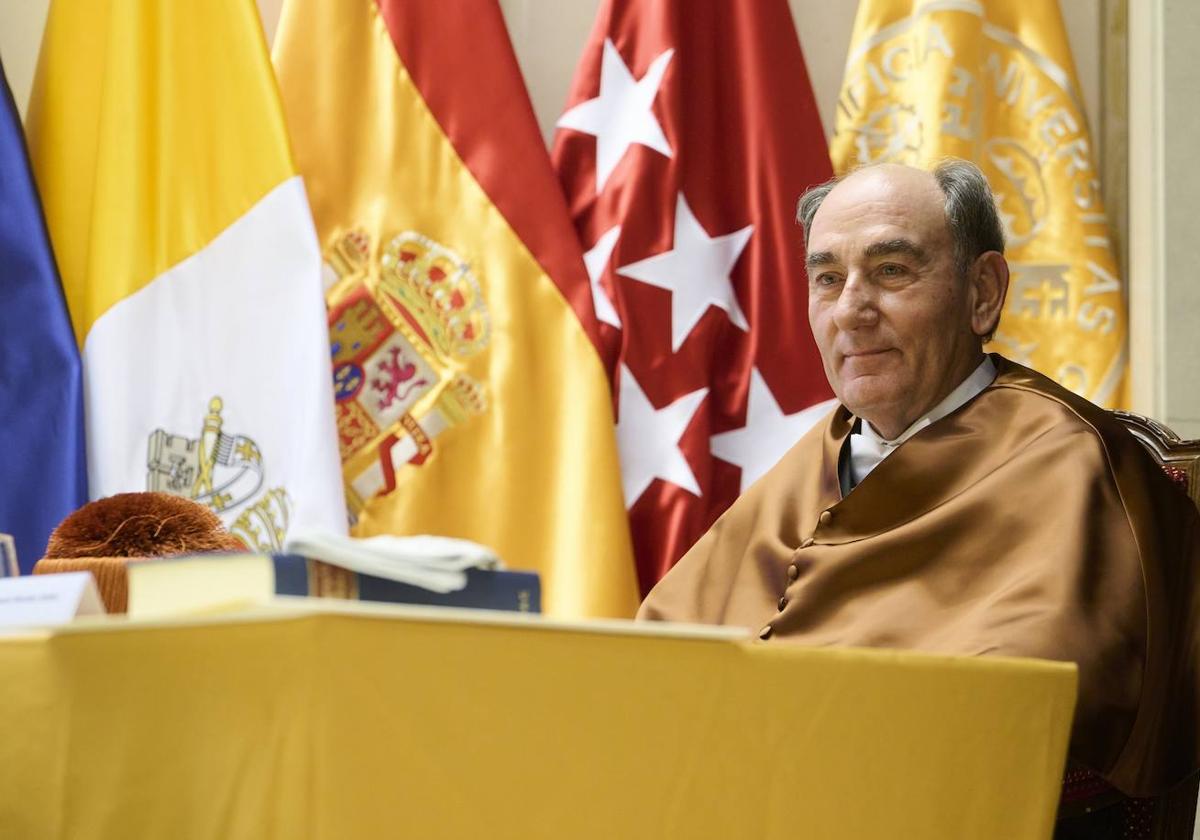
[{"x": 45, "y": 600}]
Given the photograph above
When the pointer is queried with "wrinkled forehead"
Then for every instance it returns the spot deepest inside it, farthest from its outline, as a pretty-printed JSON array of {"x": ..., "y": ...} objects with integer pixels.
[{"x": 881, "y": 202}]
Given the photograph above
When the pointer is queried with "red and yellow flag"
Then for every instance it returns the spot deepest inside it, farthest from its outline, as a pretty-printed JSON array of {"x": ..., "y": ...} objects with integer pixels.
[
  {"x": 994, "y": 83},
  {"x": 471, "y": 400}
]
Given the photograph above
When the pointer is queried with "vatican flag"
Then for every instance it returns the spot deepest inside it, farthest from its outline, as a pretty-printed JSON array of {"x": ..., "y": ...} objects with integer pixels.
[
  {"x": 189, "y": 262},
  {"x": 994, "y": 83},
  {"x": 472, "y": 399}
]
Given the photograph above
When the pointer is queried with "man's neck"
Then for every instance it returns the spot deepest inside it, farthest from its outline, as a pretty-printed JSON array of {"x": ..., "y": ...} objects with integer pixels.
[
  {"x": 892, "y": 429},
  {"x": 866, "y": 447},
  {"x": 897, "y": 429}
]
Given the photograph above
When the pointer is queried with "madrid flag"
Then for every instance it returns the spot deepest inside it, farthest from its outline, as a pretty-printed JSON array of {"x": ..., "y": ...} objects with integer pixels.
[
  {"x": 994, "y": 83},
  {"x": 188, "y": 260},
  {"x": 471, "y": 399},
  {"x": 690, "y": 133}
]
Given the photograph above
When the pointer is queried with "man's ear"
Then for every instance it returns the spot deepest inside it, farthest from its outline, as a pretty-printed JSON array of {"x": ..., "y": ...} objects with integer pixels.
[{"x": 989, "y": 285}]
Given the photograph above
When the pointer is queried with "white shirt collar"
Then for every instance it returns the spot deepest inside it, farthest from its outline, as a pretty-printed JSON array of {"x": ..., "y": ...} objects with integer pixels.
[{"x": 868, "y": 448}]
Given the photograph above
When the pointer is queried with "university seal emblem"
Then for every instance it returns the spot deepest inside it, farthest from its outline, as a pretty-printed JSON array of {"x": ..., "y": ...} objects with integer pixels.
[{"x": 950, "y": 80}]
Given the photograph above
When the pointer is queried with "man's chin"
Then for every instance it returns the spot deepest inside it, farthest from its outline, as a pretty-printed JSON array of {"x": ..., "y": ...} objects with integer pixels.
[{"x": 868, "y": 396}]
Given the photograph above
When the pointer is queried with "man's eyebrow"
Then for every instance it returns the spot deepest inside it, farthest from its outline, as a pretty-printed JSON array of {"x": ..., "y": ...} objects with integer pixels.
[
  {"x": 820, "y": 258},
  {"x": 905, "y": 247}
]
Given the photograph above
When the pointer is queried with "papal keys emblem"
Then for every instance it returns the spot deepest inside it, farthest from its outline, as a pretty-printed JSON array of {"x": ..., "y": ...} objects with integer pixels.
[
  {"x": 225, "y": 472},
  {"x": 400, "y": 330}
]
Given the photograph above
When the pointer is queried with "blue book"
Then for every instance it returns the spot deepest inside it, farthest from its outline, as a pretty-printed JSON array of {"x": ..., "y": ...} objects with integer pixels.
[
  {"x": 43, "y": 474},
  {"x": 485, "y": 590}
]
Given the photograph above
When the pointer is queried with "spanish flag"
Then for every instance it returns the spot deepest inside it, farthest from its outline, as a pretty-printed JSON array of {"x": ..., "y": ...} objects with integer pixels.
[
  {"x": 471, "y": 397},
  {"x": 189, "y": 261},
  {"x": 994, "y": 82}
]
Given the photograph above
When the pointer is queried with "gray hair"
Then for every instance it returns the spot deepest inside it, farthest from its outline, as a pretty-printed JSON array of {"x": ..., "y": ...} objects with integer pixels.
[{"x": 970, "y": 210}]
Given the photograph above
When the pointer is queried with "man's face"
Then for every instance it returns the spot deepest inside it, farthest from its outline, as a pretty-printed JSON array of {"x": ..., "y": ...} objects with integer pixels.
[{"x": 890, "y": 314}]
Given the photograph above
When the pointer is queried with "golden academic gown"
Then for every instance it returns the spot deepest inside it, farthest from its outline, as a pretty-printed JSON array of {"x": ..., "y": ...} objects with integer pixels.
[{"x": 1026, "y": 523}]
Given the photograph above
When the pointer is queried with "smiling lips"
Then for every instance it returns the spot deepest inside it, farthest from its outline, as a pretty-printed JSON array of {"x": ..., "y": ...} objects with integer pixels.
[
  {"x": 857, "y": 362},
  {"x": 865, "y": 354}
]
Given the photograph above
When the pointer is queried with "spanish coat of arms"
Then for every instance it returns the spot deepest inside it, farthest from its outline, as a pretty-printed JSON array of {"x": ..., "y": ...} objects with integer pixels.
[{"x": 400, "y": 328}]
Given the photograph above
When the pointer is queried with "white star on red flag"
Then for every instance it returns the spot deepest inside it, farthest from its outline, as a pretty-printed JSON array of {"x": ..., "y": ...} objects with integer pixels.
[
  {"x": 648, "y": 439},
  {"x": 595, "y": 260},
  {"x": 768, "y": 433},
  {"x": 710, "y": 221},
  {"x": 695, "y": 271},
  {"x": 621, "y": 115}
]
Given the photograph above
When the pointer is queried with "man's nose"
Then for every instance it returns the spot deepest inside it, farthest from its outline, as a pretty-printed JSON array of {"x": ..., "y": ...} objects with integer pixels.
[{"x": 856, "y": 306}]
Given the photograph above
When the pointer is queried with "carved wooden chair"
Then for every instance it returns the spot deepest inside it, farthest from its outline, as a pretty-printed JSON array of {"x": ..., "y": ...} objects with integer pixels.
[
  {"x": 1168, "y": 817},
  {"x": 1180, "y": 459}
]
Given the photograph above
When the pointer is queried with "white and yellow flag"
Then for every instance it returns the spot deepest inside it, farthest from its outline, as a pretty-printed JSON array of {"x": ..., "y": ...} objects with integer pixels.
[
  {"x": 993, "y": 82},
  {"x": 189, "y": 261}
]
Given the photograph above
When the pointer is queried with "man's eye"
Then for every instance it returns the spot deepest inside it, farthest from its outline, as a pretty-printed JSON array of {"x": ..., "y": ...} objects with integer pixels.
[
  {"x": 891, "y": 270},
  {"x": 826, "y": 279}
]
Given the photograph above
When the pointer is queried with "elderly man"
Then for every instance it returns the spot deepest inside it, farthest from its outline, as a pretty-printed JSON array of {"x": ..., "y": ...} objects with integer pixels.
[{"x": 958, "y": 502}]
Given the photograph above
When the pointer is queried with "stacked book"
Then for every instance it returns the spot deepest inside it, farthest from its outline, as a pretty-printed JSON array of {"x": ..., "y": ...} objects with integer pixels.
[
  {"x": 430, "y": 571},
  {"x": 435, "y": 571}
]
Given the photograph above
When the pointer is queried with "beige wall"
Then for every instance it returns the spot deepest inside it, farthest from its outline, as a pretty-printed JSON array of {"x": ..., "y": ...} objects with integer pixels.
[
  {"x": 1164, "y": 204},
  {"x": 21, "y": 23}
]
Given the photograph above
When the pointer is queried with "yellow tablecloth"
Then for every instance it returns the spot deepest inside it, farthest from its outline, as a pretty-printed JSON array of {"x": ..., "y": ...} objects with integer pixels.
[{"x": 342, "y": 721}]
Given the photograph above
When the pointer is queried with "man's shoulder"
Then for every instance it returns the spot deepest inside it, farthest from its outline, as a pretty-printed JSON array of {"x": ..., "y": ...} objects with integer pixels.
[
  {"x": 1064, "y": 412},
  {"x": 1037, "y": 391}
]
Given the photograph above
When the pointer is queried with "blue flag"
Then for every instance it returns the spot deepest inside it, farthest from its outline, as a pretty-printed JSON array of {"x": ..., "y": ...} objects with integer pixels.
[{"x": 43, "y": 472}]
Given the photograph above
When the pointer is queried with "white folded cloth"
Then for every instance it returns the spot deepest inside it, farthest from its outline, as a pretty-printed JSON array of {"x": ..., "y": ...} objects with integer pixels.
[{"x": 436, "y": 563}]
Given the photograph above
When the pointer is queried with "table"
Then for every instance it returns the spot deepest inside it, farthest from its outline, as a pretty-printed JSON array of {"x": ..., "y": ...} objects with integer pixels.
[{"x": 342, "y": 720}]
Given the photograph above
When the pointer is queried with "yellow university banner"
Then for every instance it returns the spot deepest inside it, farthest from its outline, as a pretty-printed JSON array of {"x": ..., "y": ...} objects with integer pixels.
[
  {"x": 994, "y": 83},
  {"x": 471, "y": 400}
]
